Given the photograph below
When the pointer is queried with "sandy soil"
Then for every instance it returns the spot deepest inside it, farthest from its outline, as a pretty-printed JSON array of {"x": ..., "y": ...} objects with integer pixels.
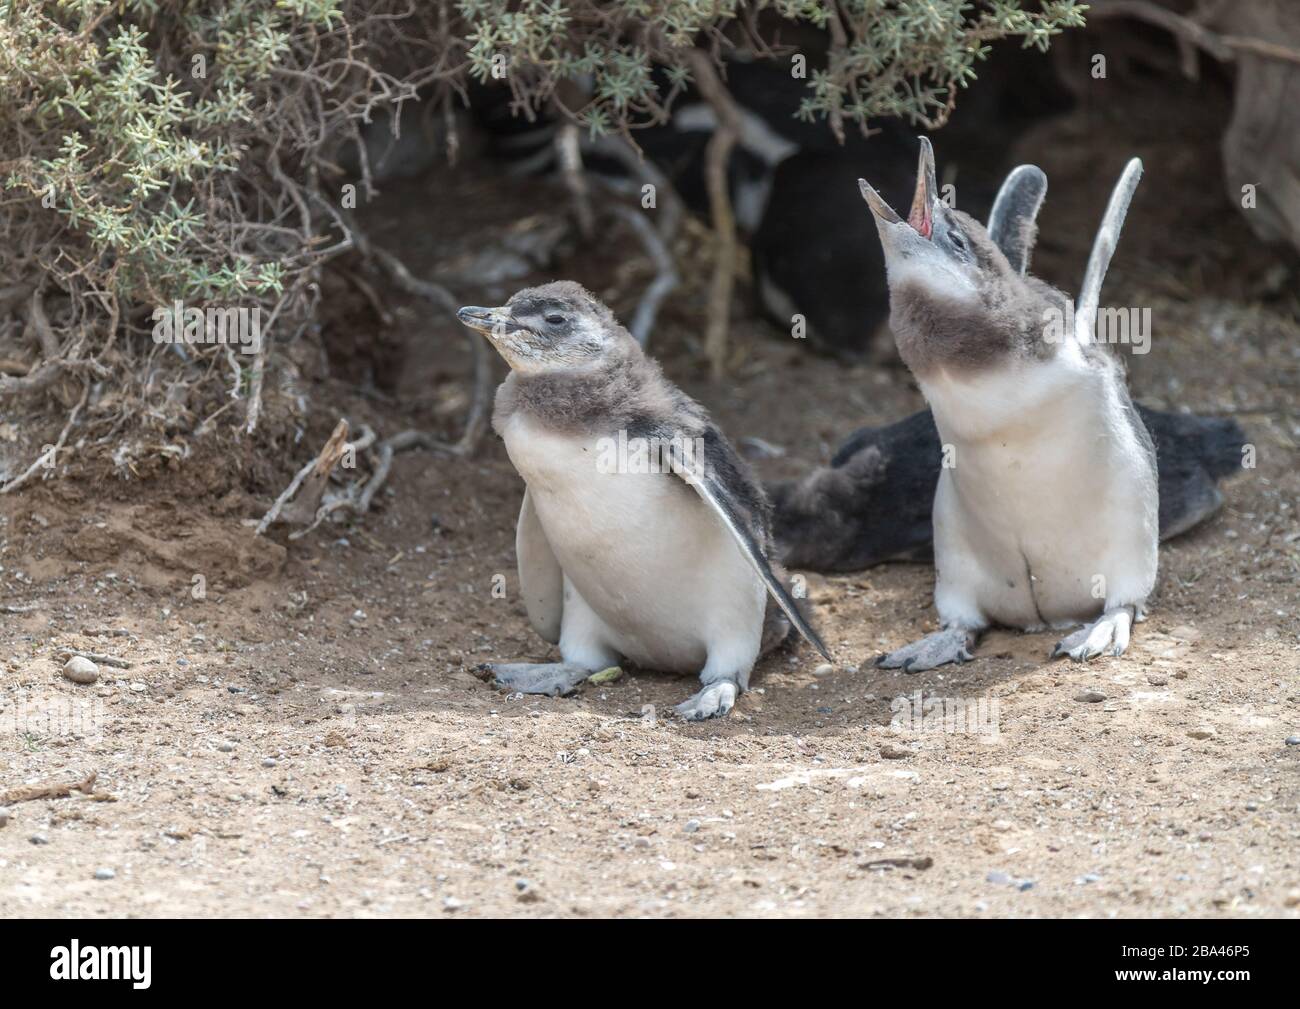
[{"x": 309, "y": 738}]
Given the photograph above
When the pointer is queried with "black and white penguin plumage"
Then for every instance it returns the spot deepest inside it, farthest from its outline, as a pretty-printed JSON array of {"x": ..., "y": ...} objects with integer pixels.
[
  {"x": 642, "y": 534},
  {"x": 875, "y": 501}
]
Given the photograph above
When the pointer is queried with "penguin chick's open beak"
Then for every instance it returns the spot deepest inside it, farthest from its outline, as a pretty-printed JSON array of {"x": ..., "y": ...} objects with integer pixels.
[
  {"x": 488, "y": 321},
  {"x": 921, "y": 216},
  {"x": 877, "y": 204}
]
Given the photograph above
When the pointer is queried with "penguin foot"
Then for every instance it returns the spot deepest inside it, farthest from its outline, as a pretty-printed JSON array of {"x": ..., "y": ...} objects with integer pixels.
[
  {"x": 555, "y": 679},
  {"x": 952, "y": 644},
  {"x": 1108, "y": 634},
  {"x": 714, "y": 701}
]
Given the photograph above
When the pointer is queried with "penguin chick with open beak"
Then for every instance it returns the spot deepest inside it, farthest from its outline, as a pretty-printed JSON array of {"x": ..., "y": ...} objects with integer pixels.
[
  {"x": 1045, "y": 514},
  {"x": 642, "y": 535}
]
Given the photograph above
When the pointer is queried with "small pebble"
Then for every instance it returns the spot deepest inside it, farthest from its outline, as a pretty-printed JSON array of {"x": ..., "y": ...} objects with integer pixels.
[
  {"x": 4, "y": 817},
  {"x": 825, "y": 669},
  {"x": 891, "y": 752},
  {"x": 1293, "y": 740},
  {"x": 642, "y": 842},
  {"x": 39, "y": 839},
  {"x": 1000, "y": 878},
  {"x": 521, "y": 885},
  {"x": 1202, "y": 732},
  {"x": 1090, "y": 696},
  {"x": 105, "y": 874},
  {"x": 225, "y": 746},
  {"x": 691, "y": 826},
  {"x": 452, "y": 904},
  {"x": 268, "y": 762},
  {"x": 1157, "y": 679},
  {"x": 81, "y": 670}
]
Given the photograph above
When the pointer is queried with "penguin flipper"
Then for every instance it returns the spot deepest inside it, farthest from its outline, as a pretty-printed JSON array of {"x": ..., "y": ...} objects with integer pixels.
[
  {"x": 715, "y": 494},
  {"x": 541, "y": 581},
  {"x": 1012, "y": 219},
  {"x": 1103, "y": 247}
]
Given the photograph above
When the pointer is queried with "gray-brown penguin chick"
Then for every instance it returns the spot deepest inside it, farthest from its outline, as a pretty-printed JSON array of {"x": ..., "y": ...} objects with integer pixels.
[
  {"x": 1045, "y": 514},
  {"x": 642, "y": 534}
]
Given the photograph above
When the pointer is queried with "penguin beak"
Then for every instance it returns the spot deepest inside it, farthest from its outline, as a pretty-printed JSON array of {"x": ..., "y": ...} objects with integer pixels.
[
  {"x": 492, "y": 322},
  {"x": 924, "y": 200},
  {"x": 921, "y": 216},
  {"x": 882, "y": 210}
]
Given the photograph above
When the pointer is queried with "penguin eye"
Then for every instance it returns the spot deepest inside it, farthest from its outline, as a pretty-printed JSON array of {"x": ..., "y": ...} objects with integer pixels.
[
  {"x": 554, "y": 320},
  {"x": 958, "y": 241}
]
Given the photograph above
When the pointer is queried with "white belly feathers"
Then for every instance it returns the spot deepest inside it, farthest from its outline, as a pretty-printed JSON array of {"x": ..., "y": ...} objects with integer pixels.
[
  {"x": 1048, "y": 510},
  {"x": 641, "y": 549}
]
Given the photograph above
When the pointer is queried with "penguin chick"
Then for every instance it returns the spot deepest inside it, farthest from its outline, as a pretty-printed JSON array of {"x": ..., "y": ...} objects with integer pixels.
[
  {"x": 642, "y": 534},
  {"x": 1045, "y": 513}
]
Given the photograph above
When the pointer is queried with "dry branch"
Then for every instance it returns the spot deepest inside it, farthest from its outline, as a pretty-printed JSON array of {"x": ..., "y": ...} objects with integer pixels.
[
  {"x": 52, "y": 453},
  {"x": 575, "y": 179},
  {"x": 657, "y": 242},
  {"x": 717, "y": 156},
  {"x": 26, "y": 793},
  {"x": 103, "y": 660},
  {"x": 303, "y": 507},
  {"x": 476, "y": 421},
  {"x": 666, "y": 278},
  {"x": 1223, "y": 48}
]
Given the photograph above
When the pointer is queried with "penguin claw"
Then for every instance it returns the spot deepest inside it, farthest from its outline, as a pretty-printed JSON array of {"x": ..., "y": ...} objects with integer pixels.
[
  {"x": 937, "y": 649},
  {"x": 1107, "y": 635},
  {"x": 715, "y": 701},
  {"x": 554, "y": 679}
]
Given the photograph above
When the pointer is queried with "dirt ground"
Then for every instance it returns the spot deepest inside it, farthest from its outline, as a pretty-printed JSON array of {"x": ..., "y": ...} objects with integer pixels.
[{"x": 308, "y": 738}]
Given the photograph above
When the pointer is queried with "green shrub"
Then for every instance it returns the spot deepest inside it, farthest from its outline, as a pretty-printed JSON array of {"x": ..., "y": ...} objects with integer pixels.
[{"x": 155, "y": 151}]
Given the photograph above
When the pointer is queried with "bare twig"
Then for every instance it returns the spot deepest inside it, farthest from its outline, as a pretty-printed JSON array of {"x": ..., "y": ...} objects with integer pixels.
[
  {"x": 52, "y": 453},
  {"x": 38, "y": 321},
  {"x": 717, "y": 156},
  {"x": 103, "y": 660},
  {"x": 377, "y": 478},
  {"x": 575, "y": 179},
  {"x": 304, "y": 506},
  {"x": 285, "y": 496},
  {"x": 26, "y": 793},
  {"x": 477, "y": 419},
  {"x": 1222, "y": 47},
  {"x": 666, "y": 279}
]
